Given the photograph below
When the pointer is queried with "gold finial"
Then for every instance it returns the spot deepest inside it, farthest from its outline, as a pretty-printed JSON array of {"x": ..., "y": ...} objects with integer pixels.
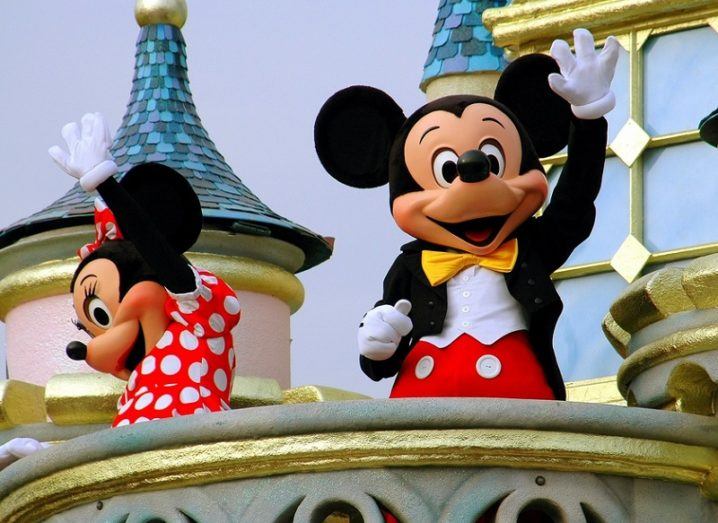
[{"x": 173, "y": 12}]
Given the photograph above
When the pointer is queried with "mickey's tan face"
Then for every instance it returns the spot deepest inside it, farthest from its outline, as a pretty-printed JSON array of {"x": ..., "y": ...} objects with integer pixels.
[
  {"x": 471, "y": 216},
  {"x": 117, "y": 326}
]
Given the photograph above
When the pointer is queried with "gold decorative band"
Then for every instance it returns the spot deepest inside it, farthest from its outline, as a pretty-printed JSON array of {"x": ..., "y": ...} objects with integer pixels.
[
  {"x": 231, "y": 460},
  {"x": 53, "y": 278},
  {"x": 682, "y": 343},
  {"x": 20, "y": 403},
  {"x": 535, "y": 23}
]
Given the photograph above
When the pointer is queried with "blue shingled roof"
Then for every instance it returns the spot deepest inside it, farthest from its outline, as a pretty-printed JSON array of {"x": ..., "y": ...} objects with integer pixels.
[
  {"x": 461, "y": 43},
  {"x": 161, "y": 125}
]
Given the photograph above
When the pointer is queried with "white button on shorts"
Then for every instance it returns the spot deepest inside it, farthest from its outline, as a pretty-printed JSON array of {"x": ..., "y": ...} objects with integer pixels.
[
  {"x": 488, "y": 366},
  {"x": 424, "y": 367}
]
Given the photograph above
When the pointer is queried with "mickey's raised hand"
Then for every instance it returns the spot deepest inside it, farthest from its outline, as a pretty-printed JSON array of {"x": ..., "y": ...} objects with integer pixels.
[
  {"x": 585, "y": 79},
  {"x": 382, "y": 329},
  {"x": 88, "y": 151}
]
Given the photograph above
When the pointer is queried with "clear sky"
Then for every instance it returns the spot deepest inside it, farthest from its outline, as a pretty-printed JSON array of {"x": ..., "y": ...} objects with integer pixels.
[{"x": 259, "y": 73}]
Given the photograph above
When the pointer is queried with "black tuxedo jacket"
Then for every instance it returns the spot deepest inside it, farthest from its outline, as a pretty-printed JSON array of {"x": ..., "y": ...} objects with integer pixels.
[{"x": 544, "y": 245}]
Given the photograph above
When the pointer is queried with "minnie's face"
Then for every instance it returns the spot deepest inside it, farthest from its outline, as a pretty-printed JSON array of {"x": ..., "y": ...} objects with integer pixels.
[
  {"x": 470, "y": 202},
  {"x": 120, "y": 328}
]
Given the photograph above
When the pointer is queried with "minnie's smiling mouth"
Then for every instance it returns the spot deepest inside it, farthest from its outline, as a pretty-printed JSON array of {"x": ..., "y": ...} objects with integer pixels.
[
  {"x": 479, "y": 232},
  {"x": 134, "y": 355}
]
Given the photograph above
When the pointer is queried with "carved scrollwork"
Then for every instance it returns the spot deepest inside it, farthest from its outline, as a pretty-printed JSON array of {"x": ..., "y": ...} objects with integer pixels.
[
  {"x": 565, "y": 498},
  {"x": 693, "y": 390}
]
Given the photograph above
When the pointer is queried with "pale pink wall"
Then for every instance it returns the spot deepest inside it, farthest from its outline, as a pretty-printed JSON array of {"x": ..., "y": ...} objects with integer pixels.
[{"x": 38, "y": 332}]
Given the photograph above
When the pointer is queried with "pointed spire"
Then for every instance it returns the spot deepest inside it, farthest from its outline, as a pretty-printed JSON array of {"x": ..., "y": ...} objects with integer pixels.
[
  {"x": 461, "y": 43},
  {"x": 161, "y": 124}
]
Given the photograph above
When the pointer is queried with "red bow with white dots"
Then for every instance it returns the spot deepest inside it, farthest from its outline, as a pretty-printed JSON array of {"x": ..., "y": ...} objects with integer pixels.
[{"x": 106, "y": 228}]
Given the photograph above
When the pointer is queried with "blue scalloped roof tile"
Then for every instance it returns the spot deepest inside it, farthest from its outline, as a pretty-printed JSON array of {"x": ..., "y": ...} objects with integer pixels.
[
  {"x": 461, "y": 43},
  {"x": 161, "y": 124}
]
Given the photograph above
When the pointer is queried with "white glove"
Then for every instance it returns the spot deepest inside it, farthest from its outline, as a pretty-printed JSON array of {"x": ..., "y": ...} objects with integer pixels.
[
  {"x": 382, "y": 329},
  {"x": 88, "y": 158},
  {"x": 585, "y": 79},
  {"x": 19, "y": 448}
]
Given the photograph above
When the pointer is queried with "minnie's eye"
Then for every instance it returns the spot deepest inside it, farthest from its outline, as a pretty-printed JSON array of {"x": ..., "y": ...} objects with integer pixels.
[
  {"x": 445, "y": 167},
  {"x": 495, "y": 154},
  {"x": 98, "y": 312}
]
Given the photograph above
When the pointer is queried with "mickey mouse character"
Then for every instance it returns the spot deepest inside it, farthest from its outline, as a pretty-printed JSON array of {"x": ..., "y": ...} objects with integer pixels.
[
  {"x": 154, "y": 320},
  {"x": 469, "y": 308}
]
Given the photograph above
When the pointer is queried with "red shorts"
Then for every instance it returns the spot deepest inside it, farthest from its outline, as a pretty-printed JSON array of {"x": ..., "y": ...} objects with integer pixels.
[{"x": 467, "y": 368}]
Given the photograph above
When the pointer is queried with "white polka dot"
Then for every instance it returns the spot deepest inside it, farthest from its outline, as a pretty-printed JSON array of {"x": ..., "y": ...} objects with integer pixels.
[
  {"x": 126, "y": 406},
  {"x": 175, "y": 413},
  {"x": 198, "y": 330},
  {"x": 205, "y": 392},
  {"x": 178, "y": 318},
  {"x": 188, "y": 306},
  {"x": 144, "y": 400},
  {"x": 200, "y": 410},
  {"x": 195, "y": 372},
  {"x": 231, "y": 358},
  {"x": 148, "y": 365},
  {"x": 216, "y": 321},
  {"x": 123, "y": 422},
  {"x": 231, "y": 305},
  {"x": 188, "y": 340},
  {"x": 141, "y": 419},
  {"x": 132, "y": 383},
  {"x": 141, "y": 391},
  {"x": 205, "y": 367},
  {"x": 170, "y": 365},
  {"x": 224, "y": 405},
  {"x": 220, "y": 379},
  {"x": 205, "y": 292},
  {"x": 165, "y": 340},
  {"x": 209, "y": 279},
  {"x": 189, "y": 395},
  {"x": 216, "y": 345},
  {"x": 163, "y": 402}
]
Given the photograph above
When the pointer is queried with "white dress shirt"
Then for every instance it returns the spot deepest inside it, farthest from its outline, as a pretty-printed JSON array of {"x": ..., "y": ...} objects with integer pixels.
[{"x": 478, "y": 304}]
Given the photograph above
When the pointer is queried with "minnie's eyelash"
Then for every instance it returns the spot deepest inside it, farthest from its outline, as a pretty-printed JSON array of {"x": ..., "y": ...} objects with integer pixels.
[
  {"x": 79, "y": 325},
  {"x": 90, "y": 291}
]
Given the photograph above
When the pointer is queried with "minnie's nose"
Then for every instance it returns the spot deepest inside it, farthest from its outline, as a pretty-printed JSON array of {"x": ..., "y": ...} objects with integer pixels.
[
  {"x": 76, "y": 350},
  {"x": 473, "y": 166}
]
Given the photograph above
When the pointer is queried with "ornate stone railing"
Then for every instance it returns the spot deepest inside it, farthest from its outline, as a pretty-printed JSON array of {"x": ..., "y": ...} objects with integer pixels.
[{"x": 422, "y": 460}]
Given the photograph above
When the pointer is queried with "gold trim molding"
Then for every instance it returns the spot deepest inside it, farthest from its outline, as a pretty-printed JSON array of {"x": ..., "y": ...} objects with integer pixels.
[
  {"x": 20, "y": 403},
  {"x": 205, "y": 463},
  {"x": 676, "y": 345},
  {"x": 533, "y": 25},
  {"x": 53, "y": 278}
]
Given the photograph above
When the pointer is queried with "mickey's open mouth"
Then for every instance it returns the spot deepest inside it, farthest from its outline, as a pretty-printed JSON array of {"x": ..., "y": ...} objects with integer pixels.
[{"x": 479, "y": 232}]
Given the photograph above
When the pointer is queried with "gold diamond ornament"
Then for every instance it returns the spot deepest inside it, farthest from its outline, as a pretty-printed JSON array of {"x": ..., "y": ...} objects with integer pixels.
[
  {"x": 630, "y": 258},
  {"x": 630, "y": 142}
]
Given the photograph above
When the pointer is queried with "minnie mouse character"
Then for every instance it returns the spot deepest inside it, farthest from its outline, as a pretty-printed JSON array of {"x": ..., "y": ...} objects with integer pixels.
[
  {"x": 469, "y": 308},
  {"x": 154, "y": 320}
]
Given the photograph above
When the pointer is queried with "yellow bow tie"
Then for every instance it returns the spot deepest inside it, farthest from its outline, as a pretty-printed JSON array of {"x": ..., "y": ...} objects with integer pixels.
[{"x": 442, "y": 266}]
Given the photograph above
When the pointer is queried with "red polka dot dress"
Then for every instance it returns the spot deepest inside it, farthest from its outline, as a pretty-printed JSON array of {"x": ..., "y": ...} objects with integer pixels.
[{"x": 190, "y": 369}]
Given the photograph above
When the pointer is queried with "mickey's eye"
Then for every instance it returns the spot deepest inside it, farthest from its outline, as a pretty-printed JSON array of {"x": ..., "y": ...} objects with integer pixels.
[
  {"x": 98, "y": 312},
  {"x": 495, "y": 154},
  {"x": 445, "y": 167}
]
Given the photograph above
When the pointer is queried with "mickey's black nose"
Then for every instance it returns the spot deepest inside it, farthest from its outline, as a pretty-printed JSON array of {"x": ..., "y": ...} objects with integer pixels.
[
  {"x": 76, "y": 350},
  {"x": 473, "y": 166}
]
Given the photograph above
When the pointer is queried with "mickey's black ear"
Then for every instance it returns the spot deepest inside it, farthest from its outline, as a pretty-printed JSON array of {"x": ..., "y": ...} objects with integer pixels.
[
  {"x": 169, "y": 200},
  {"x": 353, "y": 135},
  {"x": 523, "y": 88}
]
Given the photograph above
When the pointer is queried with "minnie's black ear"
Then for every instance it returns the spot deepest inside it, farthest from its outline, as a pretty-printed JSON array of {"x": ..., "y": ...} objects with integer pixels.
[
  {"x": 353, "y": 135},
  {"x": 523, "y": 88},
  {"x": 169, "y": 200}
]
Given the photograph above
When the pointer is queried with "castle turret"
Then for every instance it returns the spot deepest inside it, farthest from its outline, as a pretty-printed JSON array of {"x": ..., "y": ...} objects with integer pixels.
[
  {"x": 253, "y": 248},
  {"x": 463, "y": 58}
]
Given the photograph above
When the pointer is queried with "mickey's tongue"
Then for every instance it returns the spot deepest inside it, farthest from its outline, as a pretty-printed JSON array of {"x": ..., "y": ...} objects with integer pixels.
[{"x": 478, "y": 236}]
